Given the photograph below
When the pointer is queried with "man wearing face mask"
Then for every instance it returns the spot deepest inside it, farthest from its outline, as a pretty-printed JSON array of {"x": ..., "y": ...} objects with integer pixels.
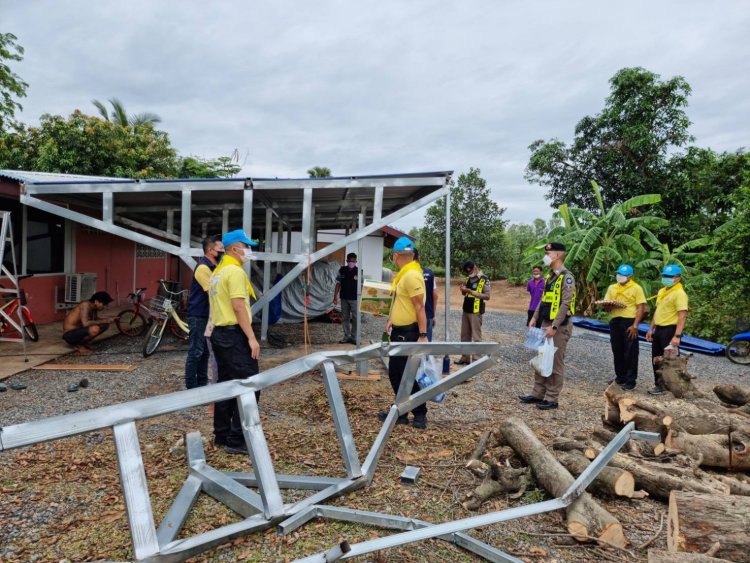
[
  {"x": 669, "y": 318},
  {"x": 476, "y": 292},
  {"x": 556, "y": 310},
  {"x": 346, "y": 284},
  {"x": 196, "y": 363},
  {"x": 233, "y": 340},
  {"x": 623, "y": 325},
  {"x": 535, "y": 287}
]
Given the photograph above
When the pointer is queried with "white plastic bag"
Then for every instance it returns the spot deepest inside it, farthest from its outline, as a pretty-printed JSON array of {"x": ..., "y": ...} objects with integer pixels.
[
  {"x": 545, "y": 358},
  {"x": 535, "y": 338},
  {"x": 428, "y": 374}
]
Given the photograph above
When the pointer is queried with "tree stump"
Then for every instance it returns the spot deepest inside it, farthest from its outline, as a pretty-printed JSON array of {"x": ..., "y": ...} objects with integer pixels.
[
  {"x": 697, "y": 521},
  {"x": 585, "y": 517},
  {"x": 731, "y": 451},
  {"x": 674, "y": 376}
]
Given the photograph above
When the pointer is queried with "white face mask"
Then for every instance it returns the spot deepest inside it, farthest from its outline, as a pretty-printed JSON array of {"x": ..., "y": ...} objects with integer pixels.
[
  {"x": 547, "y": 260},
  {"x": 537, "y": 276},
  {"x": 621, "y": 279}
]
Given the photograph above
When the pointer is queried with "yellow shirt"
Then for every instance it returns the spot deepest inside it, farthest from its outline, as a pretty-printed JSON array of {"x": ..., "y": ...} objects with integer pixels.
[
  {"x": 631, "y": 294},
  {"x": 227, "y": 282},
  {"x": 410, "y": 284},
  {"x": 670, "y": 301},
  {"x": 202, "y": 276}
]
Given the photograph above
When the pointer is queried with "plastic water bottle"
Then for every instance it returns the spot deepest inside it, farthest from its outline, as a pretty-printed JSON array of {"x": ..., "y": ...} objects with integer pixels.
[
  {"x": 424, "y": 381},
  {"x": 670, "y": 351}
]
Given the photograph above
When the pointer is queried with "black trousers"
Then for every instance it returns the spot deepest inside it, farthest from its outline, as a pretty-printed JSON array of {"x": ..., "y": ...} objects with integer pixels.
[
  {"x": 660, "y": 339},
  {"x": 234, "y": 361},
  {"x": 624, "y": 350},
  {"x": 396, "y": 365}
]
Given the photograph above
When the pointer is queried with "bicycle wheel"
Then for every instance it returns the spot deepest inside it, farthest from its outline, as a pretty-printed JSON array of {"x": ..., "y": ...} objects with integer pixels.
[
  {"x": 130, "y": 323},
  {"x": 28, "y": 325},
  {"x": 738, "y": 351},
  {"x": 175, "y": 329},
  {"x": 153, "y": 337}
]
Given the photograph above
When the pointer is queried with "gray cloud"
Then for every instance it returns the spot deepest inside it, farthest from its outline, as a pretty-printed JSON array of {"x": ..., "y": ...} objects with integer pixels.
[{"x": 380, "y": 87}]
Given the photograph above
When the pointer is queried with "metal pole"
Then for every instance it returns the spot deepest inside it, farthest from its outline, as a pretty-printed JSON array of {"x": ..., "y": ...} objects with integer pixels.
[
  {"x": 266, "y": 273},
  {"x": 362, "y": 366},
  {"x": 447, "y": 264}
]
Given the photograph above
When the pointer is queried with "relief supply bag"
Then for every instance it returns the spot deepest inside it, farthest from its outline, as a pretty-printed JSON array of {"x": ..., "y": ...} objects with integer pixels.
[
  {"x": 534, "y": 338},
  {"x": 545, "y": 358},
  {"x": 428, "y": 374}
]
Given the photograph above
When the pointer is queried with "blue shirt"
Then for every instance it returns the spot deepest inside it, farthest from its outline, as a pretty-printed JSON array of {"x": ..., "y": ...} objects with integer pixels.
[{"x": 429, "y": 285}]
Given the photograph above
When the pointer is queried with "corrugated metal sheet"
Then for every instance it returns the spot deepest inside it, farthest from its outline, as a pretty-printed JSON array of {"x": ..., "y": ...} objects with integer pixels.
[{"x": 42, "y": 177}]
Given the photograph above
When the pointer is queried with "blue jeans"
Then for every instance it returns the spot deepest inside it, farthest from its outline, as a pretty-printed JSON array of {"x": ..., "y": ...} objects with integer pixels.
[{"x": 196, "y": 363}]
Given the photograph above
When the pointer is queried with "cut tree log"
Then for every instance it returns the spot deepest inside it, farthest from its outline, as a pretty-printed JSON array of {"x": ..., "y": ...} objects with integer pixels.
[
  {"x": 731, "y": 451},
  {"x": 697, "y": 521},
  {"x": 567, "y": 445},
  {"x": 611, "y": 481},
  {"x": 585, "y": 517},
  {"x": 644, "y": 419},
  {"x": 658, "y": 556},
  {"x": 674, "y": 376},
  {"x": 732, "y": 394},
  {"x": 637, "y": 448},
  {"x": 475, "y": 463}
]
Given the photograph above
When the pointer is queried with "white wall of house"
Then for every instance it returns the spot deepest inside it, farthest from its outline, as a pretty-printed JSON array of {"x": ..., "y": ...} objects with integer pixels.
[{"x": 370, "y": 257}]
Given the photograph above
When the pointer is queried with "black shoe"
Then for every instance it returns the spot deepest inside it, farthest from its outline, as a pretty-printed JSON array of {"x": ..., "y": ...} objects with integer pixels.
[
  {"x": 351, "y": 341},
  {"x": 615, "y": 380},
  {"x": 461, "y": 363},
  {"x": 236, "y": 450},
  {"x": 529, "y": 399},
  {"x": 547, "y": 405},
  {"x": 657, "y": 390},
  {"x": 403, "y": 419},
  {"x": 420, "y": 422},
  {"x": 628, "y": 386},
  {"x": 344, "y": 341},
  {"x": 219, "y": 442}
]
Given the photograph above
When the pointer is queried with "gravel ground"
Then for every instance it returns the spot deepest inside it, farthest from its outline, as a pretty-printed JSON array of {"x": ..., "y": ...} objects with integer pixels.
[{"x": 453, "y": 427}]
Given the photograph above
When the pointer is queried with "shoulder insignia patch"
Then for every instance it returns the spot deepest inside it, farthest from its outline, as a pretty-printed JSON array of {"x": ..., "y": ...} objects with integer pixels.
[{"x": 569, "y": 281}]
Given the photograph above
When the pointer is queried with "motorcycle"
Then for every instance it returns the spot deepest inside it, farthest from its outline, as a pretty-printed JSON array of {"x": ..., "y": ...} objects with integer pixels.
[{"x": 738, "y": 350}]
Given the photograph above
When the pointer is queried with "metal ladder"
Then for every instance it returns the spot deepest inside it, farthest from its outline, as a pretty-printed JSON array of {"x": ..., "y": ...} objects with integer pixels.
[{"x": 13, "y": 292}]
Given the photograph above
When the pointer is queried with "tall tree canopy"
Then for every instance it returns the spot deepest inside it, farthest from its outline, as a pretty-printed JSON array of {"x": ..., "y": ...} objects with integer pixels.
[
  {"x": 476, "y": 226},
  {"x": 120, "y": 117},
  {"x": 624, "y": 147},
  {"x": 11, "y": 85}
]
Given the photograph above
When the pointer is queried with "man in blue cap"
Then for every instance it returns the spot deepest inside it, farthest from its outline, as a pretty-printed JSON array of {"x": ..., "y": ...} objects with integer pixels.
[
  {"x": 626, "y": 315},
  {"x": 669, "y": 318},
  {"x": 233, "y": 340},
  {"x": 407, "y": 320}
]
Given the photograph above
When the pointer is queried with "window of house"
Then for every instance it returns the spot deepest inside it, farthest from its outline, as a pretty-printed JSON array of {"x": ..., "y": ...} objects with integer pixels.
[{"x": 45, "y": 240}]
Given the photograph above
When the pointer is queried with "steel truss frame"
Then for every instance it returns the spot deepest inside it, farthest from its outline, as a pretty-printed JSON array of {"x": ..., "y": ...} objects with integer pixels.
[{"x": 266, "y": 508}]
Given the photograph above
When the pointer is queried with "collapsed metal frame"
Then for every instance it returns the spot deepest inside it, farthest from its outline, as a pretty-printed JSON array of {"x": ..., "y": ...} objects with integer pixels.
[
  {"x": 266, "y": 508},
  {"x": 358, "y": 213}
]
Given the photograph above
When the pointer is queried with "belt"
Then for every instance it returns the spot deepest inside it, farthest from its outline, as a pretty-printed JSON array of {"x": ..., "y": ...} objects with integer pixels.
[
  {"x": 228, "y": 327},
  {"x": 412, "y": 326},
  {"x": 664, "y": 326}
]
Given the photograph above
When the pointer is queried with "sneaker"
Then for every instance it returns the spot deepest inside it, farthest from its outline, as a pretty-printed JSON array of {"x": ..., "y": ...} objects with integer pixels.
[
  {"x": 529, "y": 399},
  {"x": 420, "y": 422},
  {"x": 627, "y": 386},
  {"x": 219, "y": 442},
  {"x": 547, "y": 405},
  {"x": 241, "y": 449},
  {"x": 657, "y": 390},
  {"x": 403, "y": 419},
  {"x": 344, "y": 341},
  {"x": 614, "y": 380},
  {"x": 351, "y": 341}
]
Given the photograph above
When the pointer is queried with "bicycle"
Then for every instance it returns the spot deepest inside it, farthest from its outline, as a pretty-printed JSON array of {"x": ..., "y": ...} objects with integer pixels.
[
  {"x": 738, "y": 350},
  {"x": 165, "y": 315},
  {"x": 11, "y": 307},
  {"x": 133, "y": 322}
]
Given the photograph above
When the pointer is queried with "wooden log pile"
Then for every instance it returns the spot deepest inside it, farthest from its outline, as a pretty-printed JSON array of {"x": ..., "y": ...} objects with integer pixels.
[{"x": 701, "y": 467}]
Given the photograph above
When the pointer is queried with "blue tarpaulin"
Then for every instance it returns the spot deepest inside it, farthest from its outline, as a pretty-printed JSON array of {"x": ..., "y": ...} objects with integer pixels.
[{"x": 689, "y": 343}]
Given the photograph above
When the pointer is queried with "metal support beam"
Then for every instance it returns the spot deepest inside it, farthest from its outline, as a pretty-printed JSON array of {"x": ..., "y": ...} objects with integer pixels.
[
  {"x": 266, "y": 273},
  {"x": 341, "y": 421}
]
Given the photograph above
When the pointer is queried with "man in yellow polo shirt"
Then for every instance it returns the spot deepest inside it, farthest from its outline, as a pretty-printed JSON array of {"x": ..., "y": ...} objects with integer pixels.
[
  {"x": 233, "y": 340},
  {"x": 623, "y": 325},
  {"x": 407, "y": 321},
  {"x": 669, "y": 318}
]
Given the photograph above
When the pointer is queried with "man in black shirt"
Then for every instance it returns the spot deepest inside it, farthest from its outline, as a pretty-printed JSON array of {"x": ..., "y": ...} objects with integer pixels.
[
  {"x": 346, "y": 287},
  {"x": 431, "y": 296}
]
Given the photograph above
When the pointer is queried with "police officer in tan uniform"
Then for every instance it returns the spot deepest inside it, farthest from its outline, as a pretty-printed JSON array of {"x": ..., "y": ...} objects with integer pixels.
[{"x": 556, "y": 310}]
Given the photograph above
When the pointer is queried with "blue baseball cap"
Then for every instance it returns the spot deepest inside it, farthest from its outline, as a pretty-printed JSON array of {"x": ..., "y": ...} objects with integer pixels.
[
  {"x": 233, "y": 237},
  {"x": 403, "y": 244},
  {"x": 625, "y": 270},
  {"x": 671, "y": 270}
]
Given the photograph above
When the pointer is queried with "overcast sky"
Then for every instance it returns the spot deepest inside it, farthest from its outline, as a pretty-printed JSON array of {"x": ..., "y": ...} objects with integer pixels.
[{"x": 380, "y": 87}]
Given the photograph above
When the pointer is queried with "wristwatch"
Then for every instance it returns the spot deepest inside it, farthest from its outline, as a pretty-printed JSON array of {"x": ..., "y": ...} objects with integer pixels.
[
  {"x": 678, "y": 336},
  {"x": 554, "y": 327},
  {"x": 422, "y": 335}
]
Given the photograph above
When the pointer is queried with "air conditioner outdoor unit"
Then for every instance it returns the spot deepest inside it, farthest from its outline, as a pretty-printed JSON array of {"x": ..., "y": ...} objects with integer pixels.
[{"x": 79, "y": 287}]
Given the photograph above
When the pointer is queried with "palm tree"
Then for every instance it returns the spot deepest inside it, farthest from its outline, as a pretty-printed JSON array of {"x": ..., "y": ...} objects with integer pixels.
[
  {"x": 319, "y": 172},
  {"x": 120, "y": 117}
]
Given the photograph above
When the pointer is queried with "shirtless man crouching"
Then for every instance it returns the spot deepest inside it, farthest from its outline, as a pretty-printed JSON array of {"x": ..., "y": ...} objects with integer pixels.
[{"x": 82, "y": 324}]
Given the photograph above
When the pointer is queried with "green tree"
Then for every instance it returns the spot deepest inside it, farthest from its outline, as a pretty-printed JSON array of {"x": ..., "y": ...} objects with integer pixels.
[
  {"x": 120, "y": 117},
  {"x": 625, "y": 147},
  {"x": 518, "y": 238},
  {"x": 196, "y": 167},
  {"x": 477, "y": 226},
  {"x": 319, "y": 172},
  {"x": 11, "y": 85},
  {"x": 82, "y": 144}
]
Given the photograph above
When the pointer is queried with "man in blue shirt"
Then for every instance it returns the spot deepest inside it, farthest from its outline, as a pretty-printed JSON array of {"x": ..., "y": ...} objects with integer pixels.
[{"x": 431, "y": 296}]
